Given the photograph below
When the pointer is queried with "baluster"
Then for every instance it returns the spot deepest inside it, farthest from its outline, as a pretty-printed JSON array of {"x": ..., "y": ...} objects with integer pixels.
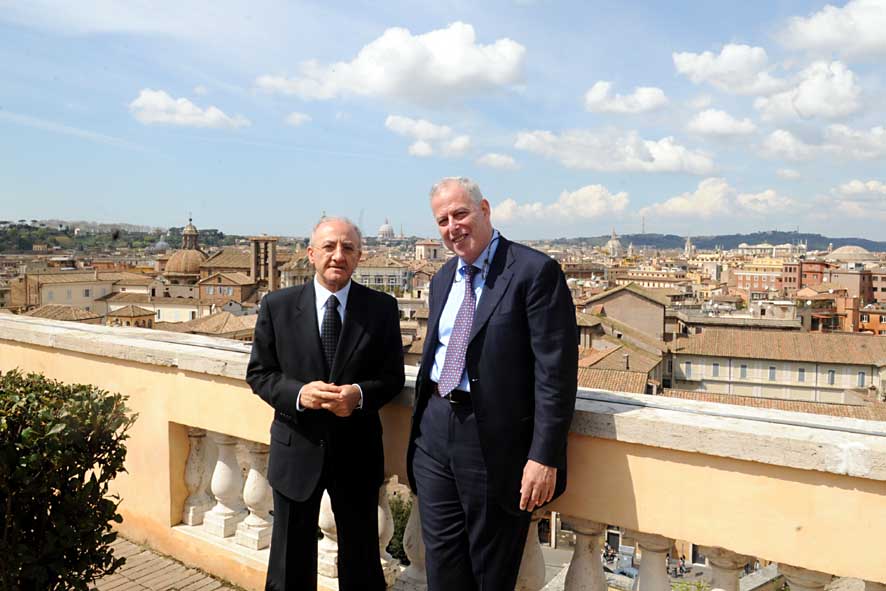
[
  {"x": 726, "y": 567},
  {"x": 653, "y": 575},
  {"x": 415, "y": 577},
  {"x": 255, "y": 531},
  {"x": 586, "y": 569},
  {"x": 197, "y": 476},
  {"x": 227, "y": 487},
  {"x": 803, "y": 579},
  {"x": 389, "y": 565},
  {"x": 327, "y": 549},
  {"x": 532, "y": 566}
]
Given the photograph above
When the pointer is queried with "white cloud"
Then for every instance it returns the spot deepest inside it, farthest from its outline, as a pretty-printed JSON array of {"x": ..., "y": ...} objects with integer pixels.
[
  {"x": 720, "y": 123},
  {"x": 788, "y": 173},
  {"x": 783, "y": 144},
  {"x": 614, "y": 151},
  {"x": 822, "y": 90},
  {"x": 738, "y": 69},
  {"x": 701, "y": 102},
  {"x": 644, "y": 98},
  {"x": 585, "y": 203},
  {"x": 764, "y": 202},
  {"x": 862, "y": 199},
  {"x": 854, "y": 29},
  {"x": 858, "y": 144},
  {"x": 440, "y": 66},
  {"x": 839, "y": 140},
  {"x": 457, "y": 146},
  {"x": 156, "y": 106},
  {"x": 714, "y": 198},
  {"x": 856, "y": 187},
  {"x": 500, "y": 161},
  {"x": 295, "y": 119},
  {"x": 421, "y": 129},
  {"x": 421, "y": 149},
  {"x": 429, "y": 137},
  {"x": 201, "y": 90}
]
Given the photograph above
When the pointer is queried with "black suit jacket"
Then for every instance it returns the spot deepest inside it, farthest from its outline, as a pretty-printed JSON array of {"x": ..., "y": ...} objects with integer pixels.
[
  {"x": 287, "y": 354},
  {"x": 522, "y": 361}
]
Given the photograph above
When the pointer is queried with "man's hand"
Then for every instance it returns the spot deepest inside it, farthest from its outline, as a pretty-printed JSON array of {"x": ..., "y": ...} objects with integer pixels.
[
  {"x": 537, "y": 487},
  {"x": 314, "y": 394},
  {"x": 343, "y": 403}
]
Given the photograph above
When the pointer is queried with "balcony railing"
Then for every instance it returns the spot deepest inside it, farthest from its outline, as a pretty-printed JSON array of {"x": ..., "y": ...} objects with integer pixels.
[{"x": 805, "y": 491}]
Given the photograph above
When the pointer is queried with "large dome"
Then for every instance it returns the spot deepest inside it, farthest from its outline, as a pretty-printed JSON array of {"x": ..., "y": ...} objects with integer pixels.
[
  {"x": 386, "y": 230},
  {"x": 851, "y": 254},
  {"x": 185, "y": 262}
]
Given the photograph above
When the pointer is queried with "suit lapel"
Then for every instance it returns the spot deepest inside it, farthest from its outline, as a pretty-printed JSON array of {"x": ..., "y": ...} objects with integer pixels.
[
  {"x": 497, "y": 280},
  {"x": 356, "y": 317},
  {"x": 308, "y": 329}
]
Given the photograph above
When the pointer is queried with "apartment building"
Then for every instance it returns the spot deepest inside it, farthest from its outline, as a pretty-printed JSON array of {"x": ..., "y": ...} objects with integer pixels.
[{"x": 831, "y": 367}]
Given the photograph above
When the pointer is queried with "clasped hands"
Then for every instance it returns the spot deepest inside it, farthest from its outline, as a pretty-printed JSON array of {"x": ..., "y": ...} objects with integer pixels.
[{"x": 339, "y": 400}]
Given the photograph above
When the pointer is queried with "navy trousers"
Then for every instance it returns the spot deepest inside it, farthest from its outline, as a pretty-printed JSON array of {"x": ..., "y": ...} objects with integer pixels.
[{"x": 471, "y": 543}]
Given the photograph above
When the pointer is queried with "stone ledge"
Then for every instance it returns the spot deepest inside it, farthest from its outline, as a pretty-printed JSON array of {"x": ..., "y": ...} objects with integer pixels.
[{"x": 850, "y": 447}]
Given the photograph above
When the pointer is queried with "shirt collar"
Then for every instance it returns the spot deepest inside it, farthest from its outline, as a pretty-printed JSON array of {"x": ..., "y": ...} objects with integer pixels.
[
  {"x": 323, "y": 294},
  {"x": 486, "y": 256}
]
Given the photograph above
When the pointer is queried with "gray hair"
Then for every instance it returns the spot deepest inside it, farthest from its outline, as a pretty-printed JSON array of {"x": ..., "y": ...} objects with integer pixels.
[
  {"x": 334, "y": 218},
  {"x": 469, "y": 186}
]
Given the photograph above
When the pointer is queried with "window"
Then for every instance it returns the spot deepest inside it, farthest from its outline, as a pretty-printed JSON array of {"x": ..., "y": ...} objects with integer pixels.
[
  {"x": 860, "y": 381},
  {"x": 86, "y": 292},
  {"x": 68, "y": 294},
  {"x": 230, "y": 291},
  {"x": 688, "y": 370},
  {"x": 743, "y": 371},
  {"x": 832, "y": 377},
  {"x": 715, "y": 370},
  {"x": 865, "y": 318},
  {"x": 801, "y": 374},
  {"x": 193, "y": 315},
  {"x": 670, "y": 364},
  {"x": 771, "y": 373},
  {"x": 882, "y": 332},
  {"x": 210, "y": 290},
  {"x": 50, "y": 295}
]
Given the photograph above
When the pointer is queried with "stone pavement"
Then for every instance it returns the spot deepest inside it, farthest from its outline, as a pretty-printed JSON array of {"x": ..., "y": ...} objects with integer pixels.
[{"x": 146, "y": 571}]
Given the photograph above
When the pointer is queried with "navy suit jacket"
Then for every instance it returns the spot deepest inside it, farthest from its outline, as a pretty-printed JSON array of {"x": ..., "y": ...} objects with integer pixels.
[
  {"x": 522, "y": 361},
  {"x": 287, "y": 354}
]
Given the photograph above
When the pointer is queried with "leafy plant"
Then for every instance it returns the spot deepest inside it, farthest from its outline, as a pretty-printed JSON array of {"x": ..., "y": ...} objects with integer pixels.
[
  {"x": 400, "y": 509},
  {"x": 60, "y": 447}
]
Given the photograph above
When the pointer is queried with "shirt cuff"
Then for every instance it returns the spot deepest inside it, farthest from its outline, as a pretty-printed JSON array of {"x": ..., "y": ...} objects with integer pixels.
[
  {"x": 360, "y": 404},
  {"x": 298, "y": 405}
]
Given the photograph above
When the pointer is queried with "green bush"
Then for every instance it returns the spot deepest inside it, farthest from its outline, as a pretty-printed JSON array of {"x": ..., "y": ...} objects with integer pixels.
[
  {"x": 60, "y": 447},
  {"x": 400, "y": 509}
]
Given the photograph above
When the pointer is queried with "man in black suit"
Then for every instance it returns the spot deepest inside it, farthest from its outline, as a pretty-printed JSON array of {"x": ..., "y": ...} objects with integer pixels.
[
  {"x": 326, "y": 355},
  {"x": 494, "y": 398}
]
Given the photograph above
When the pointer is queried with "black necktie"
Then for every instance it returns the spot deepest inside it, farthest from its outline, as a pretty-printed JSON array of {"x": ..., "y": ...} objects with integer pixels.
[{"x": 330, "y": 330}]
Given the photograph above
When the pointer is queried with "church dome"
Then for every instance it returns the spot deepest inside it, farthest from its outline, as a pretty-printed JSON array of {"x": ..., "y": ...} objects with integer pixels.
[
  {"x": 185, "y": 262},
  {"x": 851, "y": 254},
  {"x": 386, "y": 230}
]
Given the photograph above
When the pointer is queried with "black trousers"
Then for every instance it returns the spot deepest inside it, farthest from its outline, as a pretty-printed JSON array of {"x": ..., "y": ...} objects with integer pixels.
[
  {"x": 471, "y": 543},
  {"x": 292, "y": 565}
]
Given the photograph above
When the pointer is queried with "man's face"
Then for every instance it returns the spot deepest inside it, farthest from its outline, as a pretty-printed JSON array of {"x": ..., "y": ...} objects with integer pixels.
[
  {"x": 334, "y": 252},
  {"x": 464, "y": 225}
]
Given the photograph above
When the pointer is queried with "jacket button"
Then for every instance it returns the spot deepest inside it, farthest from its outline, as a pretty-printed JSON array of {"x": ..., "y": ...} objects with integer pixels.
[{"x": 322, "y": 443}]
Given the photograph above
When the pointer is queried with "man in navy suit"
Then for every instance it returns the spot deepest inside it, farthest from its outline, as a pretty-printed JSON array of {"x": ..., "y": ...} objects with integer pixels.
[
  {"x": 494, "y": 398},
  {"x": 326, "y": 355}
]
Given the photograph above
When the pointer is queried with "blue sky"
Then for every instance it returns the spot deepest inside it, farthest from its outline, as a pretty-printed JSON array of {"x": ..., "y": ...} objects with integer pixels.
[{"x": 574, "y": 117}]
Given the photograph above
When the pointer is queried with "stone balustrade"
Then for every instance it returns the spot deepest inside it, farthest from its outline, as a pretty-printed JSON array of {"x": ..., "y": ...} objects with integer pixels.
[{"x": 807, "y": 492}]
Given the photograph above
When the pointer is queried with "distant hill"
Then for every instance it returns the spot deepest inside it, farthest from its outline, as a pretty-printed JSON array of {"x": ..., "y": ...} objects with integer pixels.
[{"x": 729, "y": 241}]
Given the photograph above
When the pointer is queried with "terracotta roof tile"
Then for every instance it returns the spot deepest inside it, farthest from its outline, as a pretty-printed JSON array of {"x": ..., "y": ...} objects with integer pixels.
[
  {"x": 875, "y": 411},
  {"x": 613, "y": 380}
]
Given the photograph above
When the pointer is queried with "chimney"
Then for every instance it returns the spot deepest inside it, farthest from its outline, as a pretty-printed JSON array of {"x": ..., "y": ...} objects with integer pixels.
[{"x": 627, "y": 361}]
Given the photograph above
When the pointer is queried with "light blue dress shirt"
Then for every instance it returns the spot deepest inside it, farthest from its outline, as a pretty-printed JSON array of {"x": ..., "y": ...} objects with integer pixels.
[{"x": 453, "y": 303}]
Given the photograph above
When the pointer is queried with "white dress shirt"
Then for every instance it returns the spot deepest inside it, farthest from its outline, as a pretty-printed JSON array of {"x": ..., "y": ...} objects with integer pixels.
[{"x": 322, "y": 295}]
